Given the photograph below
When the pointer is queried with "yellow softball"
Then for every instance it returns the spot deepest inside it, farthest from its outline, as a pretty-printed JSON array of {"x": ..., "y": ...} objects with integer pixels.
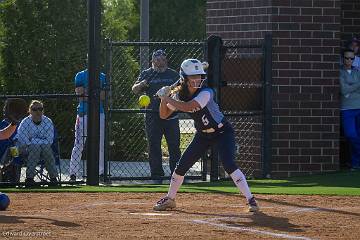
[{"x": 144, "y": 100}]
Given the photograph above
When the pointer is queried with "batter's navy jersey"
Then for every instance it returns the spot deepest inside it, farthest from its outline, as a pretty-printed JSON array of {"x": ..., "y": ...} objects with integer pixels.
[{"x": 209, "y": 116}]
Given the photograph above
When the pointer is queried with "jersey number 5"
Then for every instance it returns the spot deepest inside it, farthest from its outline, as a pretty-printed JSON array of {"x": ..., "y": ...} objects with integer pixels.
[{"x": 205, "y": 120}]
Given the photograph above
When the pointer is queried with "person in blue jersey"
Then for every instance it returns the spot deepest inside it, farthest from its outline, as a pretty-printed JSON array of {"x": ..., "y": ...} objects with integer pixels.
[
  {"x": 7, "y": 131},
  {"x": 81, "y": 89},
  {"x": 150, "y": 81},
  {"x": 211, "y": 128}
]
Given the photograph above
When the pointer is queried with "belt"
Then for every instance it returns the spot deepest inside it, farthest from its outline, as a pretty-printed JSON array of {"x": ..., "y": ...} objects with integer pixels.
[{"x": 211, "y": 130}]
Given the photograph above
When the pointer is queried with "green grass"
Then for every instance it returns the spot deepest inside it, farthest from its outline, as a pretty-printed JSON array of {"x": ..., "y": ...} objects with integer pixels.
[{"x": 340, "y": 183}]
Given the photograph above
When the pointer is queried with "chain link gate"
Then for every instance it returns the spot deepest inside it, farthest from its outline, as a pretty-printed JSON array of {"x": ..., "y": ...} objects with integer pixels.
[
  {"x": 126, "y": 149},
  {"x": 242, "y": 80}
]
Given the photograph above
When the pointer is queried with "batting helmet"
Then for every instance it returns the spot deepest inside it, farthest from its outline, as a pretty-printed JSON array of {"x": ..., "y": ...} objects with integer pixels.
[{"x": 191, "y": 67}]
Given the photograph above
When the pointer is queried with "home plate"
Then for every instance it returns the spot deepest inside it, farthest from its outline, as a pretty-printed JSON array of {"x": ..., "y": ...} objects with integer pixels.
[{"x": 152, "y": 214}]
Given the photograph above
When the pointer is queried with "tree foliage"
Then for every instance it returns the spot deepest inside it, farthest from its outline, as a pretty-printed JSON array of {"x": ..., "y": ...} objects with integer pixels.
[
  {"x": 177, "y": 20},
  {"x": 44, "y": 45},
  {"x": 120, "y": 17}
]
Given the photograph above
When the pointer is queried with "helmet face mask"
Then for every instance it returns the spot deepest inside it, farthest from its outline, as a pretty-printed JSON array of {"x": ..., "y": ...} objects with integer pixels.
[
  {"x": 196, "y": 81},
  {"x": 191, "y": 67}
]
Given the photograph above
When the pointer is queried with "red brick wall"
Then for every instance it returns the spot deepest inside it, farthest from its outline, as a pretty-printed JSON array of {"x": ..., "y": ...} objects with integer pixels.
[
  {"x": 350, "y": 19},
  {"x": 306, "y": 41},
  {"x": 245, "y": 21}
]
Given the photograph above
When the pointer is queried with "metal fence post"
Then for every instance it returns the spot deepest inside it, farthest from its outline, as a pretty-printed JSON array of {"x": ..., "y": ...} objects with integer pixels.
[
  {"x": 214, "y": 48},
  {"x": 267, "y": 107},
  {"x": 108, "y": 48},
  {"x": 94, "y": 94}
]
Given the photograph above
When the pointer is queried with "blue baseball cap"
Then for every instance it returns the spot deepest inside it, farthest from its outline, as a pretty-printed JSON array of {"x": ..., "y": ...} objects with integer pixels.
[{"x": 158, "y": 53}]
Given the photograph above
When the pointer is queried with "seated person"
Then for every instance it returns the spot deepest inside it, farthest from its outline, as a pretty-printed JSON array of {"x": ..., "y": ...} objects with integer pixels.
[
  {"x": 5, "y": 143},
  {"x": 35, "y": 136},
  {"x": 9, "y": 171}
]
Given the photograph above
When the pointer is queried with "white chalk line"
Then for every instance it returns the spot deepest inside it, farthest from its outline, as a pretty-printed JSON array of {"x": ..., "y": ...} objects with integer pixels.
[
  {"x": 251, "y": 230},
  {"x": 298, "y": 210},
  {"x": 151, "y": 214},
  {"x": 105, "y": 203}
]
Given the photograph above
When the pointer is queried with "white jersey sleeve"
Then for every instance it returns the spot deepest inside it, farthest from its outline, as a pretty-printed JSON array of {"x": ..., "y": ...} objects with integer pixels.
[{"x": 203, "y": 98}]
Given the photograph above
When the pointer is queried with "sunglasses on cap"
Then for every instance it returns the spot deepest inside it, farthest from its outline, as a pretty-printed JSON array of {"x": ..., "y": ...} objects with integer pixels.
[
  {"x": 159, "y": 53},
  {"x": 349, "y": 58},
  {"x": 34, "y": 109}
]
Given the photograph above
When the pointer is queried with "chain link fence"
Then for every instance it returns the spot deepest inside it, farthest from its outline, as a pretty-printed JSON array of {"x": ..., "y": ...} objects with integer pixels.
[
  {"x": 241, "y": 101},
  {"x": 128, "y": 145},
  {"x": 240, "y": 95}
]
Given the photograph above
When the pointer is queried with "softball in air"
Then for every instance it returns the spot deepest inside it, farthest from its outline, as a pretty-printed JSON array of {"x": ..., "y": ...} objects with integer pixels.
[{"x": 144, "y": 100}]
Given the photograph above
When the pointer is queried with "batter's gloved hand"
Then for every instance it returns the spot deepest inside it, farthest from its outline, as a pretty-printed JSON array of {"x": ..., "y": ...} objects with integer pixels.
[
  {"x": 164, "y": 92},
  {"x": 144, "y": 83},
  {"x": 141, "y": 86}
]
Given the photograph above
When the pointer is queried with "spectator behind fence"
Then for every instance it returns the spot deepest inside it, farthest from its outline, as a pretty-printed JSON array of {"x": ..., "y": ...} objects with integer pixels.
[
  {"x": 81, "y": 89},
  {"x": 355, "y": 46},
  {"x": 350, "y": 105},
  {"x": 150, "y": 81},
  {"x": 35, "y": 136}
]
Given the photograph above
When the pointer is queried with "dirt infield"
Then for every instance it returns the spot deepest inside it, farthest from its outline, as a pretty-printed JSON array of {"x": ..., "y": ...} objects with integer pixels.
[{"x": 198, "y": 216}]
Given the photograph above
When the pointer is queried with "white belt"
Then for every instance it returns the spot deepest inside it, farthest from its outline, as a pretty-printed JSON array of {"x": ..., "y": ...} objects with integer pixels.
[{"x": 211, "y": 130}]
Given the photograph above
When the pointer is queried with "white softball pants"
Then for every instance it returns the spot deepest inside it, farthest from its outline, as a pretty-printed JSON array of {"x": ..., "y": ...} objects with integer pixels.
[{"x": 80, "y": 139}]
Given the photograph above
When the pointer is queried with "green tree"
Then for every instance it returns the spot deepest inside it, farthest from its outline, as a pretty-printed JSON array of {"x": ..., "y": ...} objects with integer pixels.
[
  {"x": 2, "y": 45},
  {"x": 178, "y": 20},
  {"x": 43, "y": 45},
  {"x": 119, "y": 17}
]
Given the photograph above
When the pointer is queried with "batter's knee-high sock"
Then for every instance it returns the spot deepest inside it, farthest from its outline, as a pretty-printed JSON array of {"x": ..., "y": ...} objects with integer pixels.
[
  {"x": 240, "y": 181},
  {"x": 175, "y": 184}
]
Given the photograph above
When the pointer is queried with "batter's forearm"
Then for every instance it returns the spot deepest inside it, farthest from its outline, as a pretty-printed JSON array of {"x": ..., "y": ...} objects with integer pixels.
[
  {"x": 164, "y": 111},
  {"x": 182, "y": 106}
]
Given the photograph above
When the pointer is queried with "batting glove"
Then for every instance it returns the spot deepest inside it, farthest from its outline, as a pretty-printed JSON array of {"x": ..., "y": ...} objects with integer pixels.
[{"x": 164, "y": 91}]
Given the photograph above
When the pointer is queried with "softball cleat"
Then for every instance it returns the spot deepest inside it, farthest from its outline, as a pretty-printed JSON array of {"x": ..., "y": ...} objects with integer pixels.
[
  {"x": 164, "y": 204},
  {"x": 253, "y": 206}
]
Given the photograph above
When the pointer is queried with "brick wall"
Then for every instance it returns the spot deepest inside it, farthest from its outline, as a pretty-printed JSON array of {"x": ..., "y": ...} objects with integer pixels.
[
  {"x": 245, "y": 21},
  {"x": 350, "y": 19},
  {"x": 306, "y": 41}
]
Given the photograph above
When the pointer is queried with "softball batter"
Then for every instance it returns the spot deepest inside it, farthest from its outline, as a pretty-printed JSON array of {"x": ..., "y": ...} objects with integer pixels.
[{"x": 211, "y": 128}]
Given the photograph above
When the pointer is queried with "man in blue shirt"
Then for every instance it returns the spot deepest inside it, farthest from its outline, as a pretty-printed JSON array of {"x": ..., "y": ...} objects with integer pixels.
[
  {"x": 81, "y": 89},
  {"x": 150, "y": 81}
]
